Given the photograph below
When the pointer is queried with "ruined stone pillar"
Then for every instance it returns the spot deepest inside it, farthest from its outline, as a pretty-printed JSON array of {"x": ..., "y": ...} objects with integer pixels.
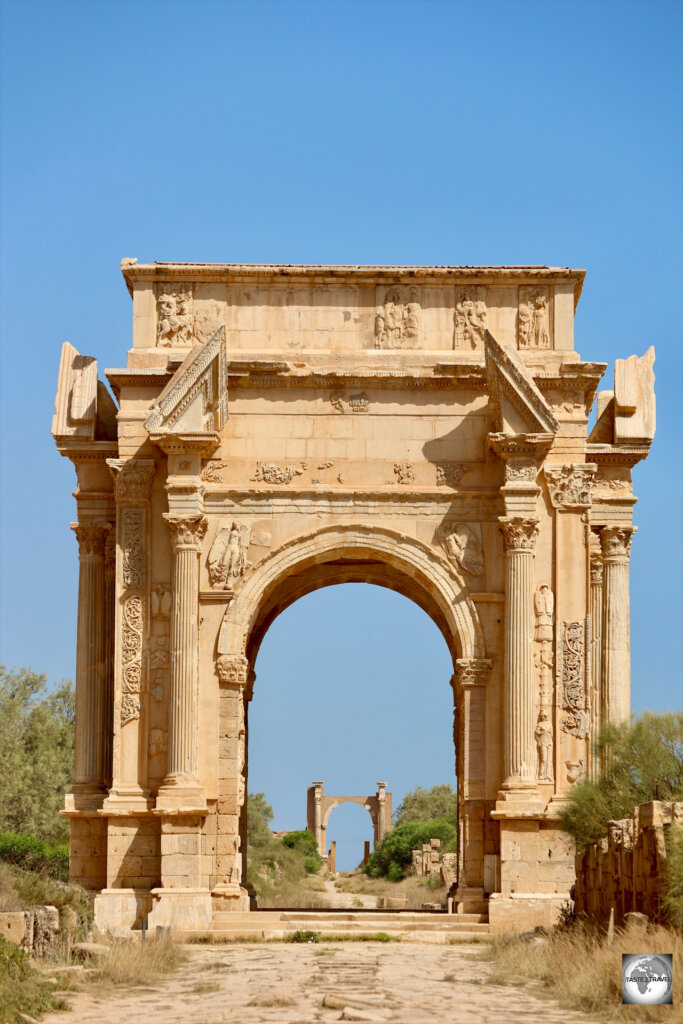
[
  {"x": 596, "y": 613},
  {"x": 519, "y": 539},
  {"x": 616, "y": 638},
  {"x": 381, "y": 811},
  {"x": 181, "y": 785},
  {"x": 233, "y": 674},
  {"x": 90, "y": 660},
  {"x": 319, "y": 830}
]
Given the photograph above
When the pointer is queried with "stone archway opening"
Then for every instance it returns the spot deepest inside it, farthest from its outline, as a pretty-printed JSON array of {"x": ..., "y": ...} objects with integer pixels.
[{"x": 335, "y": 673}]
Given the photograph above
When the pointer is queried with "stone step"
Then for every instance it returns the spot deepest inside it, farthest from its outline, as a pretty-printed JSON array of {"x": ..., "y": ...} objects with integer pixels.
[
  {"x": 264, "y": 918},
  {"x": 270, "y": 934}
]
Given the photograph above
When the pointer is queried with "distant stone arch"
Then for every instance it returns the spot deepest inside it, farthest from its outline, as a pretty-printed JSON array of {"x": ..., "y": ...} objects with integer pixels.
[{"x": 319, "y": 807}]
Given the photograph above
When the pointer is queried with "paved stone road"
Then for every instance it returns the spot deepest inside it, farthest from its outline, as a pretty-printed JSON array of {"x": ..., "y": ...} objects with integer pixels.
[{"x": 303, "y": 984}]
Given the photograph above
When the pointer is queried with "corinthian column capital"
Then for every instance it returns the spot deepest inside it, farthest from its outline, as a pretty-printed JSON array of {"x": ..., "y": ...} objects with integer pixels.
[
  {"x": 616, "y": 542},
  {"x": 471, "y": 672},
  {"x": 519, "y": 533},
  {"x": 91, "y": 537},
  {"x": 186, "y": 531},
  {"x": 132, "y": 478}
]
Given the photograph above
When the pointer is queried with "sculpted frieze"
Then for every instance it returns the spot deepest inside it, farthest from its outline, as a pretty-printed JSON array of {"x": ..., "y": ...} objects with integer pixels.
[
  {"x": 524, "y": 470},
  {"x": 470, "y": 318},
  {"x": 449, "y": 474},
  {"x": 398, "y": 323},
  {"x": 404, "y": 473},
  {"x": 571, "y": 485},
  {"x": 212, "y": 473},
  {"x": 532, "y": 318}
]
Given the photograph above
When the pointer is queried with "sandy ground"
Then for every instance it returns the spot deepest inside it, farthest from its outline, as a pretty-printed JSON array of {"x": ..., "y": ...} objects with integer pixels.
[
  {"x": 345, "y": 900},
  {"x": 286, "y": 983}
]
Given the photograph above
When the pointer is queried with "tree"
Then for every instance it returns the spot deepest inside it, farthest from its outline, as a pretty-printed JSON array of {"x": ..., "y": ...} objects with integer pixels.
[
  {"x": 259, "y": 816},
  {"x": 642, "y": 761},
  {"x": 395, "y": 853},
  {"x": 426, "y": 804},
  {"x": 36, "y": 753}
]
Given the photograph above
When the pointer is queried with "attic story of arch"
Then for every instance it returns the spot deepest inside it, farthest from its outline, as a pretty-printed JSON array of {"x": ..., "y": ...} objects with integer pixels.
[{"x": 281, "y": 428}]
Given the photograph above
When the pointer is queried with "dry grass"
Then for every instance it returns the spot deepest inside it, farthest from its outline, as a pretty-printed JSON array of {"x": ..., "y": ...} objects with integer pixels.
[
  {"x": 416, "y": 890},
  {"x": 136, "y": 963},
  {"x": 580, "y": 970}
]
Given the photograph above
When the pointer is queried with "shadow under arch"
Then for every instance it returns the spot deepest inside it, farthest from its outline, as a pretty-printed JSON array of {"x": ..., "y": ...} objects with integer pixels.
[{"x": 351, "y": 553}]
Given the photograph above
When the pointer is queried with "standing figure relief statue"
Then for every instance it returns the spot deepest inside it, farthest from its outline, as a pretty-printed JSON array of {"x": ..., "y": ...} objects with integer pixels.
[
  {"x": 543, "y": 734},
  {"x": 228, "y": 556}
]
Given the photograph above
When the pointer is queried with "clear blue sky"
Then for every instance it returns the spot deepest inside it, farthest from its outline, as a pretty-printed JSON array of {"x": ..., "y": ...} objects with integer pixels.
[{"x": 342, "y": 133}]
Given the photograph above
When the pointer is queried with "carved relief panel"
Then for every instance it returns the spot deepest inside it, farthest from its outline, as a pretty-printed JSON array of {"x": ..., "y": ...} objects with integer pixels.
[
  {"x": 398, "y": 322},
  {"x": 464, "y": 549},
  {"x": 174, "y": 316},
  {"x": 572, "y": 689},
  {"x": 471, "y": 318},
  {"x": 533, "y": 330}
]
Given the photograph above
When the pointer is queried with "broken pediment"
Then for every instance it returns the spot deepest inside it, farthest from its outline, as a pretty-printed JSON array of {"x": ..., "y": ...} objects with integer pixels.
[
  {"x": 627, "y": 415},
  {"x": 516, "y": 404},
  {"x": 195, "y": 400},
  {"x": 84, "y": 409}
]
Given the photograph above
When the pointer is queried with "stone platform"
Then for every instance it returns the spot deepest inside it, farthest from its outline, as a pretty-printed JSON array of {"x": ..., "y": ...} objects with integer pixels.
[{"x": 428, "y": 926}]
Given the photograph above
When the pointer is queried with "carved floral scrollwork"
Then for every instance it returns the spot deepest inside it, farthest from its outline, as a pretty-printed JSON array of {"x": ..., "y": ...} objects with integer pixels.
[
  {"x": 570, "y": 486},
  {"x": 449, "y": 474},
  {"x": 186, "y": 531},
  {"x": 271, "y": 473},
  {"x": 91, "y": 537},
  {"x": 573, "y": 641},
  {"x": 131, "y": 650},
  {"x": 519, "y": 534},
  {"x": 133, "y": 548}
]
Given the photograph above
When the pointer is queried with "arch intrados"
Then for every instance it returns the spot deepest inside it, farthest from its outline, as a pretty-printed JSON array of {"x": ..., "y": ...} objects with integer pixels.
[
  {"x": 330, "y": 575},
  {"x": 356, "y": 554},
  {"x": 361, "y": 801}
]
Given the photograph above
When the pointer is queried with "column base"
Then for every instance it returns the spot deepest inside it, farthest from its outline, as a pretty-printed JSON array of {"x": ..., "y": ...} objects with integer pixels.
[
  {"x": 180, "y": 797},
  {"x": 231, "y": 897},
  {"x": 518, "y": 798},
  {"x": 470, "y": 899},
  {"x": 127, "y": 800},
  {"x": 84, "y": 798},
  {"x": 523, "y": 911},
  {"x": 120, "y": 911},
  {"x": 185, "y": 910}
]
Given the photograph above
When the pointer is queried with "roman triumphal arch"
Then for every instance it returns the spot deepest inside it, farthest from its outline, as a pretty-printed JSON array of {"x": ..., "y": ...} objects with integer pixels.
[
  {"x": 319, "y": 807},
  {"x": 282, "y": 428}
]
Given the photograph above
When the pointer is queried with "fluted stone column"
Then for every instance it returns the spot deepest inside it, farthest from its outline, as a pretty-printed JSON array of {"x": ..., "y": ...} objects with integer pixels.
[
  {"x": 90, "y": 657},
  {"x": 319, "y": 831},
  {"x": 109, "y": 635},
  {"x": 182, "y": 782},
  {"x": 596, "y": 613},
  {"x": 519, "y": 539},
  {"x": 616, "y": 637}
]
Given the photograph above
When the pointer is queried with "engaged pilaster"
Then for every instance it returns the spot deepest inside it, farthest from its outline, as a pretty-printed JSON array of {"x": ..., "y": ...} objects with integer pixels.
[
  {"x": 616, "y": 641},
  {"x": 181, "y": 787},
  {"x": 519, "y": 540},
  {"x": 596, "y": 613},
  {"x": 90, "y": 664}
]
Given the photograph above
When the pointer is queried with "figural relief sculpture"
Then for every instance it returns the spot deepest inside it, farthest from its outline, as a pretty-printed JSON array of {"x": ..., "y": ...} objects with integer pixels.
[
  {"x": 398, "y": 321},
  {"x": 532, "y": 319},
  {"x": 174, "y": 317},
  {"x": 470, "y": 317},
  {"x": 464, "y": 549},
  {"x": 543, "y": 734},
  {"x": 228, "y": 555},
  {"x": 544, "y": 608}
]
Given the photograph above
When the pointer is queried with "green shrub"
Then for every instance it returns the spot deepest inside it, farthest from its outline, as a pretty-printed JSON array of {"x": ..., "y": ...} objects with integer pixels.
[
  {"x": 313, "y": 864},
  {"x": 434, "y": 882},
  {"x": 641, "y": 761},
  {"x": 303, "y": 936},
  {"x": 303, "y": 840},
  {"x": 672, "y": 900},
  {"x": 394, "y": 854},
  {"x": 24, "y": 993},
  {"x": 35, "y": 855},
  {"x": 259, "y": 817}
]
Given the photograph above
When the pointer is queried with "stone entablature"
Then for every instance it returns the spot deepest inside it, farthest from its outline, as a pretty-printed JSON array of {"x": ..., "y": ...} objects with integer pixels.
[{"x": 285, "y": 428}]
